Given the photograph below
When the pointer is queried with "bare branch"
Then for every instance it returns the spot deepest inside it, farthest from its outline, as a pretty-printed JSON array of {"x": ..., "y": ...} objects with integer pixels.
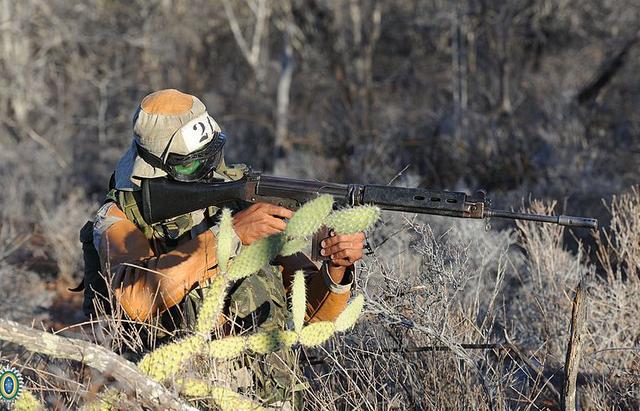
[{"x": 261, "y": 17}]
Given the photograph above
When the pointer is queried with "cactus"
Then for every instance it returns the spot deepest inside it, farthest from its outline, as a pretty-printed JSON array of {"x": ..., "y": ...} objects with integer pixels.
[
  {"x": 350, "y": 315},
  {"x": 288, "y": 338},
  {"x": 254, "y": 257},
  {"x": 225, "y": 398},
  {"x": 212, "y": 305},
  {"x": 167, "y": 360},
  {"x": 266, "y": 342},
  {"x": 27, "y": 402},
  {"x": 225, "y": 240},
  {"x": 353, "y": 220},
  {"x": 293, "y": 246},
  {"x": 226, "y": 348},
  {"x": 229, "y": 400},
  {"x": 309, "y": 218},
  {"x": 317, "y": 333},
  {"x": 108, "y": 401},
  {"x": 298, "y": 300},
  {"x": 193, "y": 388}
]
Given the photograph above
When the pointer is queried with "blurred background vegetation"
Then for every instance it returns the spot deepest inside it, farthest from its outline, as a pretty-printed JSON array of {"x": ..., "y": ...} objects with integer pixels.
[{"x": 526, "y": 98}]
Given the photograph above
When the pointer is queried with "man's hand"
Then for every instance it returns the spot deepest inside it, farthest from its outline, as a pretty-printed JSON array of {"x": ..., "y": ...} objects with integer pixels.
[
  {"x": 260, "y": 220},
  {"x": 344, "y": 250}
]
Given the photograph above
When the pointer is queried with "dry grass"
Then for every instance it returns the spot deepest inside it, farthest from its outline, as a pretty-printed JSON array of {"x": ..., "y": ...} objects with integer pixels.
[{"x": 472, "y": 286}]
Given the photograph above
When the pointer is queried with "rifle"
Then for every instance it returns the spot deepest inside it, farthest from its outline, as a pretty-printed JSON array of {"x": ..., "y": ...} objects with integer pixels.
[{"x": 163, "y": 199}]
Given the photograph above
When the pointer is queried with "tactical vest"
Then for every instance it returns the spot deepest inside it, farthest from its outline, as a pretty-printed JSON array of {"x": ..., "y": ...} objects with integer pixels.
[{"x": 257, "y": 302}]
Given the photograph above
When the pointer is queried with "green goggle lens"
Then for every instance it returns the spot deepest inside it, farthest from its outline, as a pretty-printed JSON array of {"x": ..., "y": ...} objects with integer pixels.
[{"x": 188, "y": 168}]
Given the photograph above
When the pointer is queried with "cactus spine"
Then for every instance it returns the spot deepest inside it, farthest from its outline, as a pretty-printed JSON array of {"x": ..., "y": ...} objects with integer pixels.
[
  {"x": 309, "y": 218},
  {"x": 298, "y": 300},
  {"x": 353, "y": 220},
  {"x": 225, "y": 239}
]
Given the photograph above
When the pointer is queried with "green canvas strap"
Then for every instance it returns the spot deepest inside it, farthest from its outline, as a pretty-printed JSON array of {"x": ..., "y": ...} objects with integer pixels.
[{"x": 129, "y": 202}]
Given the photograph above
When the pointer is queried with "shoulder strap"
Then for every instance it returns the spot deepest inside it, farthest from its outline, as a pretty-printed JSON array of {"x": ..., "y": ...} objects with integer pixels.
[{"x": 130, "y": 203}]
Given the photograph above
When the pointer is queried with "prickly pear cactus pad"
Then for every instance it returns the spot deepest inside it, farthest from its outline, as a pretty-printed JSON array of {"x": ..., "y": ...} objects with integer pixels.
[
  {"x": 298, "y": 300},
  {"x": 227, "y": 348},
  {"x": 353, "y": 220},
  {"x": 350, "y": 315},
  {"x": 317, "y": 333},
  {"x": 212, "y": 305},
  {"x": 252, "y": 258},
  {"x": 266, "y": 342},
  {"x": 293, "y": 246},
  {"x": 167, "y": 360},
  {"x": 226, "y": 399},
  {"x": 27, "y": 402},
  {"x": 225, "y": 239},
  {"x": 310, "y": 217}
]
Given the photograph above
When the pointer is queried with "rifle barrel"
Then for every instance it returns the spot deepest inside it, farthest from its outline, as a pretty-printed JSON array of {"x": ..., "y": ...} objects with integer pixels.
[{"x": 565, "y": 220}]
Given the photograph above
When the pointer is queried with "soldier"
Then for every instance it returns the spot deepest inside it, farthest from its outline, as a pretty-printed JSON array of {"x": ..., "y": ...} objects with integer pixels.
[{"x": 158, "y": 271}]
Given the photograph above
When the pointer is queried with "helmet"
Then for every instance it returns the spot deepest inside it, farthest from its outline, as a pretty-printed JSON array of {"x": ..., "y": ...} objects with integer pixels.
[{"x": 174, "y": 136}]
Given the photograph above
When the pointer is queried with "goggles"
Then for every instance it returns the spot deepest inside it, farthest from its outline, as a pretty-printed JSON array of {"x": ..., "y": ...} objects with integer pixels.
[{"x": 189, "y": 167}]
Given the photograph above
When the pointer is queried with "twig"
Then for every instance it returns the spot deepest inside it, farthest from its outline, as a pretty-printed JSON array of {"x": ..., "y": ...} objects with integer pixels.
[
  {"x": 94, "y": 356},
  {"x": 488, "y": 346},
  {"x": 399, "y": 174}
]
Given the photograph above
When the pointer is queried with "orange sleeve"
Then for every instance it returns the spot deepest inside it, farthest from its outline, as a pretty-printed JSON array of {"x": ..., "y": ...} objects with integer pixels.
[
  {"x": 325, "y": 301},
  {"x": 145, "y": 284}
]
